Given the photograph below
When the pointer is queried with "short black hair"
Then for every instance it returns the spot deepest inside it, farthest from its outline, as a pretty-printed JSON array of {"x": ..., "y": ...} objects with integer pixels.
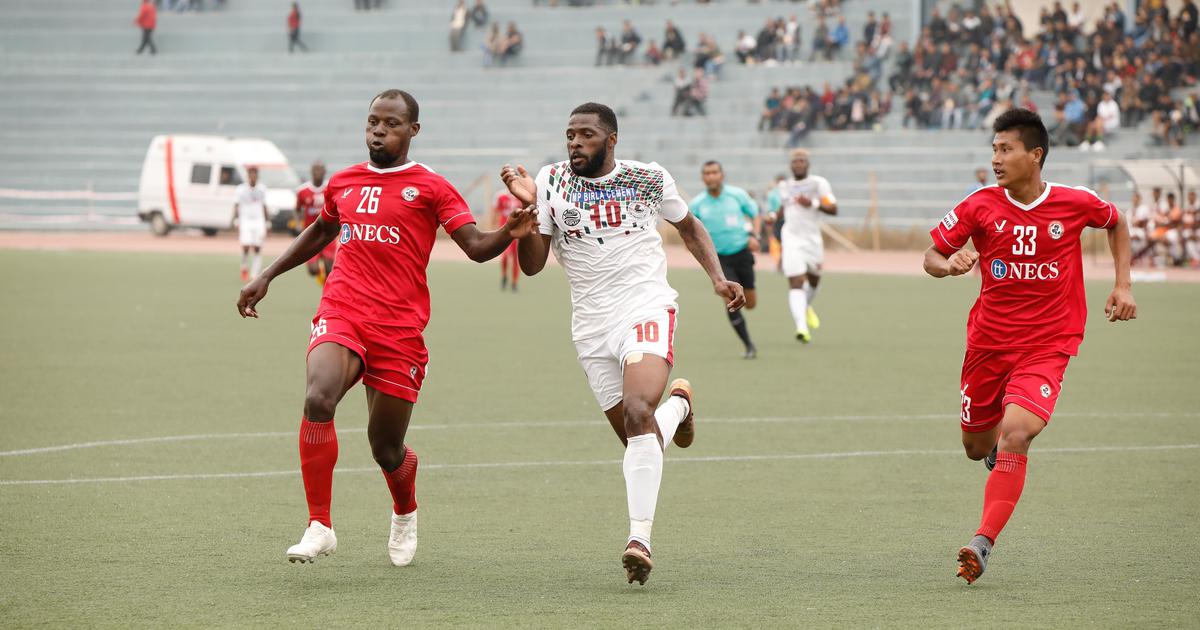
[
  {"x": 607, "y": 117},
  {"x": 1029, "y": 128},
  {"x": 712, "y": 163},
  {"x": 410, "y": 103}
]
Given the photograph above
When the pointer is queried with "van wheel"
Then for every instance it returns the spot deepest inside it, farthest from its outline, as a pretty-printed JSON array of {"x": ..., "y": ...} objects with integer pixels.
[
  {"x": 159, "y": 225},
  {"x": 209, "y": 231}
]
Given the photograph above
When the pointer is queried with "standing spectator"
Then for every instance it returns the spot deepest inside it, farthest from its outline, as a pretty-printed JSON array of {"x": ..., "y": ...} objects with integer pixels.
[
  {"x": 673, "y": 44},
  {"x": 293, "y": 24},
  {"x": 514, "y": 42},
  {"x": 698, "y": 93},
  {"x": 791, "y": 38},
  {"x": 870, "y": 29},
  {"x": 479, "y": 14},
  {"x": 604, "y": 47},
  {"x": 682, "y": 92},
  {"x": 147, "y": 19},
  {"x": 458, "y": 24},
  {"x": 630, "y": 40}
]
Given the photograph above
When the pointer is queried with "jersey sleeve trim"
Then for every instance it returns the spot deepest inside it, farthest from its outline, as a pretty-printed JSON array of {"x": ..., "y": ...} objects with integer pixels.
[
  {"x": 457, "y": 221},
  {"x": 949, "y": 248}
]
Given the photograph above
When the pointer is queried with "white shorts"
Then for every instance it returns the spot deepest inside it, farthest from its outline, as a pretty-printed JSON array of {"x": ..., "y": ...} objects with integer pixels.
[
  {"x": 251, "y": 235},
  {"x": 802, "y": 255},
  {"x": 603, "y": 357}
]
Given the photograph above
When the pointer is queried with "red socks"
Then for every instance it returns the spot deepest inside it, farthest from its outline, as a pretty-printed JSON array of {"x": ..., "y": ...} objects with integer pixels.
[
  {"x": 402, "y": 483},
  {"x": 318, "y": 454},
  {"x": 1001, "y": 493}
]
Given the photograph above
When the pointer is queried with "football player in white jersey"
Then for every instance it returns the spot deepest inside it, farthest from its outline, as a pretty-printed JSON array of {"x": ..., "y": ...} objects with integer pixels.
[
  {"x": 250, "y": 214},
  {"x": 600, "y": 216},
  {"x": 805, "y": 197}
]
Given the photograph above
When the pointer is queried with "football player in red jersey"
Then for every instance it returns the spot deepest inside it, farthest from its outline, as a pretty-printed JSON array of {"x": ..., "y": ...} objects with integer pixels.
[
  {"x": 385, "y": 214},
  {"x": 1030, "y": 315},
  {"x": 310, "y": 199},
  {"x": 502, "y": 206}
]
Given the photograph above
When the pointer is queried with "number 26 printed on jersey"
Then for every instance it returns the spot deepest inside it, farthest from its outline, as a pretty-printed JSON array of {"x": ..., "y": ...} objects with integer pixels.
[{"x": 370, "y": 199}]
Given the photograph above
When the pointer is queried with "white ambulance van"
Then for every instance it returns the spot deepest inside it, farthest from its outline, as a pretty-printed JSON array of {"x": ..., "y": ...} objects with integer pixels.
[{"x": 191, "y": 181}]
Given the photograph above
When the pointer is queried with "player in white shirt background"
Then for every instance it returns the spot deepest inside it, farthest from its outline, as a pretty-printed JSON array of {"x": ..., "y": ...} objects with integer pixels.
[
  {"x": 805, "y": 197},
  {"x": 600, "y": 216},
  {"x": 250, "y": 216}
]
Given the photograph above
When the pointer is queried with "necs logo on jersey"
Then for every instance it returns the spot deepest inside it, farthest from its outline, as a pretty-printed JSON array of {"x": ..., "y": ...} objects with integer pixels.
[{"x": 1002, "y": 270}]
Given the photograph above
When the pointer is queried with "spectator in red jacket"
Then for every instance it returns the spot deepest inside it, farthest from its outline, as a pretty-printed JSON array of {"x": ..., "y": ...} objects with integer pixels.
[
  {"x": 293, "y": 24},
  {"x": 147, "y": 19}
]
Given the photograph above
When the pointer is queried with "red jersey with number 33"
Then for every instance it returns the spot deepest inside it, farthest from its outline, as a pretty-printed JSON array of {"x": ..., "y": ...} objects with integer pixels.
[
  {"x": 389, "y": 219},
  {"x": 1032, "y": 296}
]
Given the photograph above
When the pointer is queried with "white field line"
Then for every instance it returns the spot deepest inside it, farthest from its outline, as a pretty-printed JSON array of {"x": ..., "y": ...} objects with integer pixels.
[
  {"x": 596, "y": 462},
  {"x": 536, "y": 424}
]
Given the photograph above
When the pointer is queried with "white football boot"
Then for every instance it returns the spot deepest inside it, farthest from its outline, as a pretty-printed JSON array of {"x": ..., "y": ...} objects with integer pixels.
[
  {"x": 318, "y": 540},
  {"x": 402, "y": 543}
]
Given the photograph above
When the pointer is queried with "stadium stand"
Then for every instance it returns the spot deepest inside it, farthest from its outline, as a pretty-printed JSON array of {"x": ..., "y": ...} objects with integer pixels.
[{"x": 80, "y": 108}]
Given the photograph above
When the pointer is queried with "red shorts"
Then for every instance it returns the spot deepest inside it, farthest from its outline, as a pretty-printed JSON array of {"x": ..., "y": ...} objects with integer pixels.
[
  {"x": 992, "y": 379},
  {"x": 394, "y": 358}
]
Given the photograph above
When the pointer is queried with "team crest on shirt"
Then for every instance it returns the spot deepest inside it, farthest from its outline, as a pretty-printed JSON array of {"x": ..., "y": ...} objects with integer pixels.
[
  {"x": 950, "y": 220},
  {"x": 1045, "y": 390},
  {"x": 639, "y": 210},
  {"x": 571, "y": 217},
  {"x": 412, "y": 372},
  {"x": 409, "y": 193},
  {"x": 1056, "y": 230}
]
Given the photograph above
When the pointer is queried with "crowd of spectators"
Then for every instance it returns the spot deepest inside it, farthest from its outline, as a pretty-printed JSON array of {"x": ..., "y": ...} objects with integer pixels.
[
  {"x": 858, "y": 103},
  {"x": 969, "y": 66},
  {"x": 1163, "y": 231}
]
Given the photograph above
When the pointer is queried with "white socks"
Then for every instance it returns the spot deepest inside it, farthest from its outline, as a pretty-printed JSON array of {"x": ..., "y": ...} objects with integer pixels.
[
  {"x": 256, "y": 266},
  {"x": 669, "y": 415},
  {"x": 798, "y": 300},
  {"x": 810, "y": 291},
  {"x": 643, "y": 473}
]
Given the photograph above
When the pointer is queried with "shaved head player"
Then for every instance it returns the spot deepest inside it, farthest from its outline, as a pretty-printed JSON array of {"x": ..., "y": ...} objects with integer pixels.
[{"x": 385, "y": 214}]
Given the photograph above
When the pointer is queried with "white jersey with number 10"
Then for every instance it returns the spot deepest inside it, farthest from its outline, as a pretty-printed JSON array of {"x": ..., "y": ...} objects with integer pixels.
[{"x": 604, "y": 233}]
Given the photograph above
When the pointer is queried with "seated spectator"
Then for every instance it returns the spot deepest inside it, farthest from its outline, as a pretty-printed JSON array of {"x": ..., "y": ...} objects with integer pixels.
[
  {"x": 708, "y": 55},
  {"x": 673, "y": 44},
  {"x": 746, "y": 48},
  {"x": 493, "y": 45},
  {"x": 683, "y": 86},
  {"x": 630, "y": 40},
  {"x": 654, "y": 55},
  {"x": 1166, "y": 238},
  {"x": 1106, "y": 122},
  {"x": 839, "y": 38},
  {"x": 1190, "y": 231},
  {"x": 771, "y": 110},
  {"x": 458, "y": 24},
  {"x": 1140, "y": 216},
  {"x": 698, "y": 94},
  {"x": 513, "y": 43},
  {"x": 820, "y": 45}
]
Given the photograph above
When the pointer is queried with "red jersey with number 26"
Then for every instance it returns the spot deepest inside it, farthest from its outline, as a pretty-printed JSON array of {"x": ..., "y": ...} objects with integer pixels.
[
  {"x": 389, "y": 219},
  {"x": 1032, "y": 296}
]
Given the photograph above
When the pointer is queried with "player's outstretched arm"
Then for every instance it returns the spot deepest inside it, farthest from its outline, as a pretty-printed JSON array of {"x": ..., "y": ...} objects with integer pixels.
[
  {"x": 1120, "y": 305},
  {"x": 310, "y": 242},
  {"x": 483, "y": 246},
  {"x": 532, "y": 250},
  {"x": 700, "y": 244},
  {"x": 939, "y": 265}
]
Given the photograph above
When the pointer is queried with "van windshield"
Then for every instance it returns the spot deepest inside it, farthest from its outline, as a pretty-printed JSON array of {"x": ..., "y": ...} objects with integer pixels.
[{"x": 278, "y": 177}]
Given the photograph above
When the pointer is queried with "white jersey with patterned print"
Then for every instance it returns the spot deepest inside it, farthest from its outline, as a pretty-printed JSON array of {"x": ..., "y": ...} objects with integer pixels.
[
  {"x": 803, "y": 223},
  {"x": 604, "y": 232}
]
